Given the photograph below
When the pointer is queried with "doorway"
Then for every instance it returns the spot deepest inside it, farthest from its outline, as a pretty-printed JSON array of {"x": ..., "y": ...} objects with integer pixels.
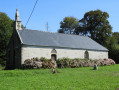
[
  {"x": 54, "y": 57},
  {"x": 86, "y": 55}
]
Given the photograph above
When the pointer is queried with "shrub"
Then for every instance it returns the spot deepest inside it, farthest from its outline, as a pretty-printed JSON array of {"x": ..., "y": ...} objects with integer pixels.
[
  {"x": 77, "y": 62},
  {"x": 64, "y": 63},
  {"x": 38, "y": 63}
]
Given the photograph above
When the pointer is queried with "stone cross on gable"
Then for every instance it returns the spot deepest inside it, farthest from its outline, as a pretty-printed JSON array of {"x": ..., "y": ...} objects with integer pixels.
[{"x": 17, "y": 21}]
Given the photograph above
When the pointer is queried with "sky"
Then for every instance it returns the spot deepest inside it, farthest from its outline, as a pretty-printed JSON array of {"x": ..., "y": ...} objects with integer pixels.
[{"x": 53, "y": 11}]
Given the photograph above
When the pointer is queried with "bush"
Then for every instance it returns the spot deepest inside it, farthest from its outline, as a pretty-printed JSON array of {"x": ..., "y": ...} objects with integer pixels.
[
  {"x": 38, "y": 63},
  {"x": 64, "y": 63},
  {"x": 77, "y": 62}
]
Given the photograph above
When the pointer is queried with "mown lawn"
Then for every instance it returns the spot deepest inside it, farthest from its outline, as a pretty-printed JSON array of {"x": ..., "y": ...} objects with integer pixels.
[{"x": 106, "y": 78}]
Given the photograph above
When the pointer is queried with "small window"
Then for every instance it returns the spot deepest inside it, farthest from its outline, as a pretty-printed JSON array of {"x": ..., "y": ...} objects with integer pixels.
[{"x": 86, "y": 55}]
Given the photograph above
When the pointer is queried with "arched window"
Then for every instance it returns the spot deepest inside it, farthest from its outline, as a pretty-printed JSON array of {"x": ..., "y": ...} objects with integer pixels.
[
  {"x": 86, "y": 55},
  {"x": 54, "y": 54}
]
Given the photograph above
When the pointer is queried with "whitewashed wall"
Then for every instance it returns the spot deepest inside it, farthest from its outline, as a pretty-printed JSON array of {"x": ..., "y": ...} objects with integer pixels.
[{"x": 29, "y": 52}]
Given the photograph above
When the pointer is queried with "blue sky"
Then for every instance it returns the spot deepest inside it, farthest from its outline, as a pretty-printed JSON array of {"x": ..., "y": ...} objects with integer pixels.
[{"x": 53, "y": 11}]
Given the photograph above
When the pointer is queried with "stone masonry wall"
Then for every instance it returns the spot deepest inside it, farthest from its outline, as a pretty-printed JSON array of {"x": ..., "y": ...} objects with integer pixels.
[
  {"x": 29, "y": 52},
  {"x": 14, "y": 52}
]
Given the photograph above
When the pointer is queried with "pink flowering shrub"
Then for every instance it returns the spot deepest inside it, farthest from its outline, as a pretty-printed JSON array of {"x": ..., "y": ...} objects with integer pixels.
[{"x": 64, "y": 63}]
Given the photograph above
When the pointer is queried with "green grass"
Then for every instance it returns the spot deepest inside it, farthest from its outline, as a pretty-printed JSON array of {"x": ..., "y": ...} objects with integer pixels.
[{"x": 106, "y": 78}]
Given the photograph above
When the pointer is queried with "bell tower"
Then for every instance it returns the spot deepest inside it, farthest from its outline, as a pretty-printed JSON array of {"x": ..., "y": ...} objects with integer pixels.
[{"x": 17, "y": 21}]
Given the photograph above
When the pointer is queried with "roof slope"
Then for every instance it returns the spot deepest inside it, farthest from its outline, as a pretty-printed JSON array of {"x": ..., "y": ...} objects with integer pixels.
[{"x": 36, "y": 37}]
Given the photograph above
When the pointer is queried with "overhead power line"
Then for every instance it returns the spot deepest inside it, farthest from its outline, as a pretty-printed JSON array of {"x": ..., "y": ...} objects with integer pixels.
[{"x": 30, "y": 14}]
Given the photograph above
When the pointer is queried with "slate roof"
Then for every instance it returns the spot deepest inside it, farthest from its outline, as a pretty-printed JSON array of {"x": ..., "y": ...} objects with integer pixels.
[{"x": 41, "y": 38}]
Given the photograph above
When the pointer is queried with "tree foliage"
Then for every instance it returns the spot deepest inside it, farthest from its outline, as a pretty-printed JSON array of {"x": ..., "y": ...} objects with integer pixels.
[
  {"x": 114, "y": 52},
  {"x": 6, "y": 29},
  {"x": 95, "y": 24},
  {"x": 116, "y": 36},
  {"x": 68, "y": 25},
  {"x": 113, "y": 46}
]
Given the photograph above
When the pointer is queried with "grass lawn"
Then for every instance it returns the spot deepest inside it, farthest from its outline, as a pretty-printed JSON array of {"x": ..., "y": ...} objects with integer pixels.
[{"x": 106, "y": 78}]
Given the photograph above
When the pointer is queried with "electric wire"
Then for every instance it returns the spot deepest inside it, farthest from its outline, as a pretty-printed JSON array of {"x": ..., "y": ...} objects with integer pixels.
[{"x": 30, "y": 16}]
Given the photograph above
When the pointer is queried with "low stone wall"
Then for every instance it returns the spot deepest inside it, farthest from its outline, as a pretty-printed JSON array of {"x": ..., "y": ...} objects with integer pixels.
[{"x": 64, "y": 63}]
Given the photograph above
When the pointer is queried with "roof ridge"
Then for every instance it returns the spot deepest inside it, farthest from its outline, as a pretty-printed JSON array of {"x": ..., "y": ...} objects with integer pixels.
[
  {"x": 39, "y": 30},
  {"x": 56, "y": 33},
  {"x": 72, "y": 34}
]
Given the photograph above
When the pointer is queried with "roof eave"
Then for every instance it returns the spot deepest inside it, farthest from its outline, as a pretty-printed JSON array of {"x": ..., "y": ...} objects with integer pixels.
[{"x": 65, "y": 47}]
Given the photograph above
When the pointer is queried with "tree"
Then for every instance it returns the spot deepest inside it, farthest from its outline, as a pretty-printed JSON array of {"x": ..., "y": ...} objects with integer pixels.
[
  {"x": 116, "y": 36},
  {"x": 114, "y": 52},
  {"x": 6, "y": 29},
  {"x": 60, "y": 31},
  {"x": 68, "y": 25},
  {"x": 95, "y": 24},
  {"x": 113, "y": 46}
]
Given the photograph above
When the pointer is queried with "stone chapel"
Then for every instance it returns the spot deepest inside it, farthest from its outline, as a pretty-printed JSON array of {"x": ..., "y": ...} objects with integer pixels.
[{"x": 26, "y": 44}]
